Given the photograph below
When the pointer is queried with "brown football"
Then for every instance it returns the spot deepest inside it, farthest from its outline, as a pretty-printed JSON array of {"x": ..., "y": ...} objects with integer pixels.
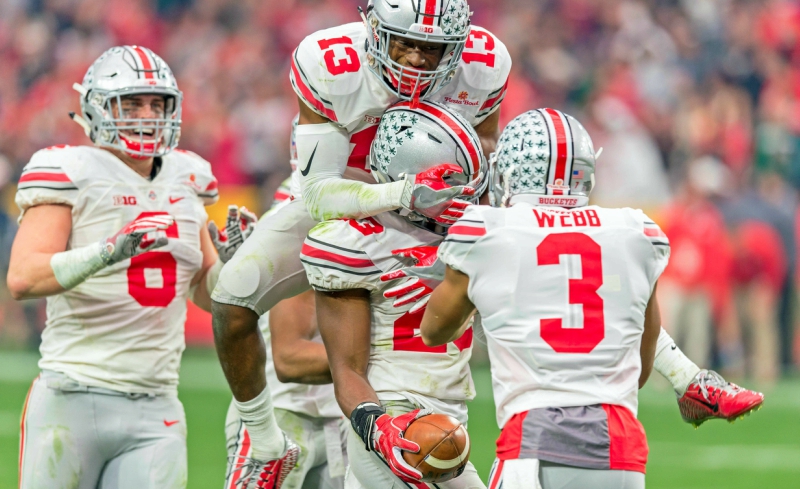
[{"x": 443, "y": 447}]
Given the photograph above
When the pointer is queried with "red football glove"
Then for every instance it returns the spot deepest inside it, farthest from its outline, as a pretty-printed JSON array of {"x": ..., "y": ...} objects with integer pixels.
[
  {"x": 143, "y": 234},
  {"x": 423, "y": 277},
  {"x": 389, "y": 442},
  {"x": 428, "y": 194}
]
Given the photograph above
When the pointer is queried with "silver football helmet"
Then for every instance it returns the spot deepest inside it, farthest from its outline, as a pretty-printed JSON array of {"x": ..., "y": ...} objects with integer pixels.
[
  {"x": 547, "y": 157},
  {"x": 442, "y": 21},
  {"x": 120, "y": 72},
  {"x": 413, "y": 138}
]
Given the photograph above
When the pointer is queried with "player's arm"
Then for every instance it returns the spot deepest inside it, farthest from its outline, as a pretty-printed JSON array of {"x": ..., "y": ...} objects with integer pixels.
[
  {"x": 292, "y": 324},
  {"x": 448, "y": 311},
  {"x": 344, "y": 323},
  {"x": 41, "y": 265},
  {"x": 652, "y": 328},
  {"x": 205, "y": 279}
]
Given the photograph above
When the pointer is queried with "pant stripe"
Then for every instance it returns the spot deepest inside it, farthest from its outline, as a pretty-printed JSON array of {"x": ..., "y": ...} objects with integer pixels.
[
  {"x": 496, "y": 475},
  {"x": 22, "y": 423},
  {"x": 242, "y": 452}
]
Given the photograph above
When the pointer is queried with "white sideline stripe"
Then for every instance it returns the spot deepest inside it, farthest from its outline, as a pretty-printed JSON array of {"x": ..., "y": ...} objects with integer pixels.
[{"x": 448, "y": 464}]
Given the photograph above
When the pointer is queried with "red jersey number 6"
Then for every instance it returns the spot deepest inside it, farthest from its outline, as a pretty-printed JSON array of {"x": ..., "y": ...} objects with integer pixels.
[{"x": 581, "y": 291}]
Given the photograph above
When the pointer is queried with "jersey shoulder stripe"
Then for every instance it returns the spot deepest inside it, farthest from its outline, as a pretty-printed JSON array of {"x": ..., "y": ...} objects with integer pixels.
[
  {"x": 655, "y": 234},
  {"x": 493, "y": 100},
  {"x": 306, "y": 91},
  {"x": 334, "y": 258}
]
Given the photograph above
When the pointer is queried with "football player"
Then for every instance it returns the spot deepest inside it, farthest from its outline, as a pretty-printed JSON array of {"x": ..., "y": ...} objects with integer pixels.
[
  {"x": 566, "y": 293},
  {"x": 384, "y": 377},
  {"x": 345, "y": 78},
  {"x": 114, "y": 235}
]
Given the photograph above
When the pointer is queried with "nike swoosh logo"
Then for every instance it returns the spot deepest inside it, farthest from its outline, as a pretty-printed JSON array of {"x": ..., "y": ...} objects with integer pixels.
[
  {"x": 172, "y": 200},
  {"x": 308, "y": 166},
  {"x": 170, "y": 423}
]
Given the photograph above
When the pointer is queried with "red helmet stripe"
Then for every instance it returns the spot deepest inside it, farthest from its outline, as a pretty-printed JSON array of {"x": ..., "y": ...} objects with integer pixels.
[
  {"x": 147, "y": 66},
  {"x": 471, "y": 146},
  {"x": 430, "y": 12},
  {"x": 560, "y": 148}
]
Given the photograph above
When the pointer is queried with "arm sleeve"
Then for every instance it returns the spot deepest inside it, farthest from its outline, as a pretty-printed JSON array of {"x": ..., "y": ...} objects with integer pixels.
[
  {"x": 45, "y": 180},
  {"x": 334, "y": 258},
  {"x": 461, "y": 238},
  {"x": 323, "y": 150}
]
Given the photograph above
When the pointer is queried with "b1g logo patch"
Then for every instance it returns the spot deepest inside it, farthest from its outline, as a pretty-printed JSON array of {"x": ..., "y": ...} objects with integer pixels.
[{"x": 124, "y": 200}]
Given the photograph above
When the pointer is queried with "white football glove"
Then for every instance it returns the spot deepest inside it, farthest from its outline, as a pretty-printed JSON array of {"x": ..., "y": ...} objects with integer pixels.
[{"x": 238, "y": 227}]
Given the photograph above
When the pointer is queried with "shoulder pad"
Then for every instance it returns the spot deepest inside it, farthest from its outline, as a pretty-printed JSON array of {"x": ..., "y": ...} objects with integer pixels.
[
  {"x": 49, "y": 178},
  {"x": 334, "y": 257},
  {"x": 486, "y": 65},
  {"x": 197, "y": 173}
]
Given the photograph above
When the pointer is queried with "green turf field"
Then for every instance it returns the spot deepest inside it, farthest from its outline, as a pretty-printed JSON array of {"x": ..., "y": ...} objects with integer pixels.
[{"x": 761, "y": 451}]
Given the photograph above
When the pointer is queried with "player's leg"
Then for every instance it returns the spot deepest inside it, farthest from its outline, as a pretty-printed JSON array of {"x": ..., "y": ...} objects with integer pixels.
[
  {"x": 58, "y": 444},
  {"x": 152, "y": 451}
]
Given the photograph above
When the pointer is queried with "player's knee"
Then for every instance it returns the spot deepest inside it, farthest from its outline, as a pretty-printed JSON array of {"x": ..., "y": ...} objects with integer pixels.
[{"x": 230, "y": 322}]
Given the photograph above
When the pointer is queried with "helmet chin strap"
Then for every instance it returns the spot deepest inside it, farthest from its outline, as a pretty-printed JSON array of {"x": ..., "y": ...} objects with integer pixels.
[{"x": 81, "y": 122}]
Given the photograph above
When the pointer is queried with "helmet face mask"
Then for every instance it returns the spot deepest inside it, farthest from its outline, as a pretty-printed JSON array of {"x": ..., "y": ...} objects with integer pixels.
[
  {"x": 410, "y": 141},
  {"x": 119, "y": 76},
  {"x": 544, "y": 157},
  {"x": 444, "y": 22}
]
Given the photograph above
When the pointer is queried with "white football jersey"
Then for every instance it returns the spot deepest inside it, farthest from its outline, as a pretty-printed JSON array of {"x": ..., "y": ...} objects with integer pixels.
[
  {"x": 562, "y": 295},
  {"x": 122, "y": 328},
  {"x": 317, "y": 401},
  {"x": 348, "y": 254},
  {"x": 330, "y": 73}
]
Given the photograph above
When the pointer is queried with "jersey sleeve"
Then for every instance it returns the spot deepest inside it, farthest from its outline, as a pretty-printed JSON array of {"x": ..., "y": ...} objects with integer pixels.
[
  {"x": 490, "y": 65},
  {"x": 461, "y": 238},
  {"x": 307, "y": 80},
  {"x": 46, "y": 180},
  {"x": 660, "y": 243},
  {"x": 334, "y": 258},
  {"x": 201, "y": 178}
]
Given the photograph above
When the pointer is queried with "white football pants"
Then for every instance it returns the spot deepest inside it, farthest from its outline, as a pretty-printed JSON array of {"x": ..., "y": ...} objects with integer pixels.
[{"x": 521, "y": 474}]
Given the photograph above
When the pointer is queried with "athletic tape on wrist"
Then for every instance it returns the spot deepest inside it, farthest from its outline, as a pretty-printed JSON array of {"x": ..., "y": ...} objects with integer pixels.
[{"x": 73, "y": 267}]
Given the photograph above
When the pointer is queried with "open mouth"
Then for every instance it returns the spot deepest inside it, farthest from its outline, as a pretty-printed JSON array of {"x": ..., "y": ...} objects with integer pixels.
[{"x": 147, "y": 133}]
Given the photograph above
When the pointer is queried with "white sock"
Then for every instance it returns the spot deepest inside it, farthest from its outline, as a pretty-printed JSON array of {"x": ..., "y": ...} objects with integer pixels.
[
  {"x": 673, "y": 364},
  {"x": 266, "y": 438}
]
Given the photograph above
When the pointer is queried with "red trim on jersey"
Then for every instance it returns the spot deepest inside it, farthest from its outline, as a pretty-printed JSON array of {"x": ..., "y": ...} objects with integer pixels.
[
  {"x": 491, "y": 101},
  {"x": 44, "y": 177},
  {"x": 430, "y": 12},
  {"x": 654, "y": 233},
  {"x": 466, "y": 230},
  {"x": 498, "y": 473},
  {"x": 22, "y": 428},
  {"x": 628, "y": 442},
  {"x": 455, "y": 126},
  {"x": 561, "y": 148},
  {"x": 145, "y": 61},
  {"x": 312, "y": 252},
  {"x": 309, "y": 95},
  {"x": 243, "y": 452},
  {"x": 509, "y": 443},
  {"x": 212, "y": 185},
  {"x": 280, "y": 196}
]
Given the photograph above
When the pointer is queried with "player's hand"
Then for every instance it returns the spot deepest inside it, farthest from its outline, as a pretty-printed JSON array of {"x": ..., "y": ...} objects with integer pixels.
[
  {"x": 428, "y": 194},
  {"x": 421, "y": 279},
  {"x": 238, "y": 227},
  {"x": 138, "y": 236},
  {"x": 389, "y": 442}
]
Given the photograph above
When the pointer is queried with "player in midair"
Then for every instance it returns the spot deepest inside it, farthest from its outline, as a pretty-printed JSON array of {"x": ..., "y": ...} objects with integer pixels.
[
  {"x": 566, "y": 296},
  {"x": 384, "y": 377},
  {"x": 114, "y": 235},
  {"x": 345, "y": 78}
]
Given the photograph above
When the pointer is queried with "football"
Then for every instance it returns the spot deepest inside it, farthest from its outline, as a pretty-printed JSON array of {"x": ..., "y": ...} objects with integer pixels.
[{"x": 443, "y": 447}]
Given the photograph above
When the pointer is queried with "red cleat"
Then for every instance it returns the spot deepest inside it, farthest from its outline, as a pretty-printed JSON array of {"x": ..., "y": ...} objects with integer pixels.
[
  {"x": 250, "y": 473},
  {"x": 709, "y": 396}
]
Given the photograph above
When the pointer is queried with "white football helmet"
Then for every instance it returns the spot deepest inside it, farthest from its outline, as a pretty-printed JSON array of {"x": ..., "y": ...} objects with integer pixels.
[
  {"x": 547, "y": 157},
  {"x": 412, "y": 138},
  {"x": 119, "y": 72},
  {"x": 442, "y": 21}
]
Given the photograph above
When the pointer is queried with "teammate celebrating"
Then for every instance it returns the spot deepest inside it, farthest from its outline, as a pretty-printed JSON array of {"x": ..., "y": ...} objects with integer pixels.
[
  {"x": 104, "y": 412},
  {"x": 345, "y": 78},
  {"x": 566, "y": 293},
  {"x": 384, "y": 377}
]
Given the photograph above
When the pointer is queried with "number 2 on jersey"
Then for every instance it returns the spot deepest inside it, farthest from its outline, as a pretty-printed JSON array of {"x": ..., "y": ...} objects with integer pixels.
[{"x": 581, "y": 291}]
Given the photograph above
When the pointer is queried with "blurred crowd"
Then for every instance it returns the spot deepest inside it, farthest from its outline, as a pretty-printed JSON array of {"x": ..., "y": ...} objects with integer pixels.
[{"x": 695, "y": 102}]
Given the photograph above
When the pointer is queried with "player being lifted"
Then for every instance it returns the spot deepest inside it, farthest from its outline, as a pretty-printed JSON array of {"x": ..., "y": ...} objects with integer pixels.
[
  {"x": 384, "y": 376},
  {"x": 115, "y": 237},
  {"x": 345, "y": 78}
]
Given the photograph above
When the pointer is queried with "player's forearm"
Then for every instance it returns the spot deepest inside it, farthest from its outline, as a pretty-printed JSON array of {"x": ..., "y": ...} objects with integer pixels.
[
  {"x": 304, "y": 363},
  {"x": 335, "y": 198},
  {"x": 352, "y": 388},
  {"x": 240, "y": 348},
  {"x": 203, "y": 284},
  {"x": 652, "y": 328},
  {"x": 32, "y": 276}
]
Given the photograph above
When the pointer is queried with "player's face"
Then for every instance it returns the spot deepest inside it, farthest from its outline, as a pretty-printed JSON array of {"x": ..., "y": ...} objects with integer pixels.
[
  {"x": 135, "y": 107},
  {"x": 415, "y": 54}
]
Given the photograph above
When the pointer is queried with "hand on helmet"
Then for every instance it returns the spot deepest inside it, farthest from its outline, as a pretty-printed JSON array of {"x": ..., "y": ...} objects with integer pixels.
[
  {"x": 422, "y": 277},
  {"x": 389, "y": 442},
  {"x": 428, "y": 194},
  {"x": 141, "y": 235},
  {"x": 238, "y": 227}
]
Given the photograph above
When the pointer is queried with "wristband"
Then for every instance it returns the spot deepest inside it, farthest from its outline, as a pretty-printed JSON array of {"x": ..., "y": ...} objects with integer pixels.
[{"x": 363, "y": 418}]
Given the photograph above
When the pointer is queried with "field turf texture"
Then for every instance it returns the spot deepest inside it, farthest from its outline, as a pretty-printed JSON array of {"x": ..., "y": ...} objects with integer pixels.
[{"x": 758, "y": 452}]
